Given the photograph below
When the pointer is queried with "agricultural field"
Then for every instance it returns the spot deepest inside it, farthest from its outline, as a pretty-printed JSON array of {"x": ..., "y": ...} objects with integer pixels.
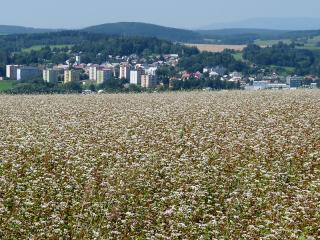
[
  {"x": 196, "y": 165},
  {"x": 216, "y": 47}
]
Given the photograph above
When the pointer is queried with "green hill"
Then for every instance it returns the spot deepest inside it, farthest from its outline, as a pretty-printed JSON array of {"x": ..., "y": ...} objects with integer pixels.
[
  {"x": 5, "y": 30},
  {"x": 220, "y": 36},
  {"x": 146, "y": 30}
]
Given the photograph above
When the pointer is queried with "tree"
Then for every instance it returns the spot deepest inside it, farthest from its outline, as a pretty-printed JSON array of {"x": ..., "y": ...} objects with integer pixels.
[
  {"x": 72, "y": 87},
  {"x": 92, "y": 87}
]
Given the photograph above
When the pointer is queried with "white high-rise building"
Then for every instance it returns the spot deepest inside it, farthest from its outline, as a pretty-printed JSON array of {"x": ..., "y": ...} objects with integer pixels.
[
  {"x": 135, "y": 77},
  {"x": 11, "y": 72}
]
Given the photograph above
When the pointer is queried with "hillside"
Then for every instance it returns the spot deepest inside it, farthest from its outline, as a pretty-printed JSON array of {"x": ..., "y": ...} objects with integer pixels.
[
  {"x": 241, "y": 31},
  {"x": 6, "y": 29},
  {"x": 146, "y": 30},
  {"x": 264, "y": 36},
  {"x": 228, "y": 36},
  {"x": 294, "y": 24}
]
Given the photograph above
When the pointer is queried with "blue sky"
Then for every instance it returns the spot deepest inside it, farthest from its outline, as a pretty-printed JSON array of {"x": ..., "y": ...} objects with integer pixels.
[{"x": 175, "y": 13}]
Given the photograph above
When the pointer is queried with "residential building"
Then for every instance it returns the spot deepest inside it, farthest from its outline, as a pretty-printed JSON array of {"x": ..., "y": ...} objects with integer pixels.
[
  {"x": 124, "y": 71},
  {"x": 25, "y": 73},
  {"x": 11, "y": 72},
  {"x": 135, "y": 77},
  {"x": 93, "y": 72},
  {"x": 104, "y": 75},
  {"x": 50, "y": 75},
  {"x": 148, "y": 81},
  {"x": 71, "y": 76}
]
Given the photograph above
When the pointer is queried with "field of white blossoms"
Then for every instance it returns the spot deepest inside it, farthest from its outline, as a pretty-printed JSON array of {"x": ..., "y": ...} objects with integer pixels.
[{"x": 200, "y": 165}]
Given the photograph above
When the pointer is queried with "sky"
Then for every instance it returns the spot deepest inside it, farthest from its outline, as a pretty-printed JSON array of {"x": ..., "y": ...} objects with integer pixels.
[{"x": 174, "y": 13}]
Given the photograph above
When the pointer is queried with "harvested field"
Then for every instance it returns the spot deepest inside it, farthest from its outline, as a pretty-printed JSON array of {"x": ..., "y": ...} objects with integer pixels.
[
  {"x": 197, "y": 165},
  {"x": 216, "y": 48}
]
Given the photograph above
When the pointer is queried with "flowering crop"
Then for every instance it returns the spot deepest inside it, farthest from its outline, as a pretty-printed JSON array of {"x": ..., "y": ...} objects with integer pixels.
[{"x": 200, "y": 165}]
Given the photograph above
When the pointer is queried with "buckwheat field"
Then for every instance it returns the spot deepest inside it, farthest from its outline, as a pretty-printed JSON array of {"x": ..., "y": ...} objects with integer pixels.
[{"x": 200, "y": 165}]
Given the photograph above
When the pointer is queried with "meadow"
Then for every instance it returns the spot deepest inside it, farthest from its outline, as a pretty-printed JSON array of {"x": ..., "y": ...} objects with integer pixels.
[
  {"x": 194, "y": 165},
  {"x": 6, "y": 85},
  {"x": 39, "y": 47}
]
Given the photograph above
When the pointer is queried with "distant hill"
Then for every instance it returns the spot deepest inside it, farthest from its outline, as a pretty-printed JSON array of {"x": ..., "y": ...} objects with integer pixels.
[
  {"x": 294, "y": 24},
  {"x": 232, "y": 35},
  {"x": 245, "y": 35},
  {"x": 5, "y": 30},
  {"x": 239, "y": 35},
  {"x": 241, "y": 31},
  {"x": 146, "y": 30}
]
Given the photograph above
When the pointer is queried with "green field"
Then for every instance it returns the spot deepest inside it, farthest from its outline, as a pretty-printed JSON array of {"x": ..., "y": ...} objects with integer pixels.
[
  {"x": 312, "y": 44},
  {"x": 6, "y": 85},
  {"x": 271, "y": 42},
  {"x": 238, "y": 56},
  {"x": 39, "y": 47}
]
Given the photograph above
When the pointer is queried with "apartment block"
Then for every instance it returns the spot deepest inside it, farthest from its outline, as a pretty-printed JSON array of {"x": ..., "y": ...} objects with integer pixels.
[
  {"x": 26, "y": 73},
  {"x": 135, "y": 77},
  {"x": 104, "y": 75},
  {"x": 11, "y": 71},
  {"x": 50, "y": 75},
  {"x": 71, "y": 76},
  {"x": 124, "y": 71},
  {"x": 93, "y": 70},
  {"x": 148, "y": 81}
]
